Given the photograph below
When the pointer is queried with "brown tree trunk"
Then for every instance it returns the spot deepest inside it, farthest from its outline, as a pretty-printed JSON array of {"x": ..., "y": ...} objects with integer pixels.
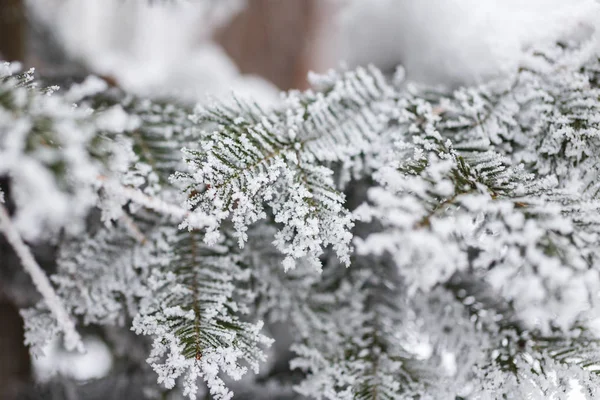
[
  {"x": 15, "y": 366},
  {"x": 12, "y": 30},
  {"x": 276, "y": 39}
]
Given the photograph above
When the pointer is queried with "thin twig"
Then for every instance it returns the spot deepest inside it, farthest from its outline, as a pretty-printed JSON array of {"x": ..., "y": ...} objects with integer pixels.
[
  {"x": 41, "y": 281},
  {"x": 134, "y": 229},
  {"x": 176, "y": 212}
]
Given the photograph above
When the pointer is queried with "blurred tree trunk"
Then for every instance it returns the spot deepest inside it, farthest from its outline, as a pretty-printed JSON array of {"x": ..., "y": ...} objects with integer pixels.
[
  {"x": 276, "y": 39},
  {"x": 12, "y": 30},
  {"x": 15, "y": 365}
]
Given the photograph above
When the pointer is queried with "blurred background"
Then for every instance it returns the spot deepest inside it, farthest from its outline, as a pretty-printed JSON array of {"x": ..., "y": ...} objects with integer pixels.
[{"x": 186, "y": 50}]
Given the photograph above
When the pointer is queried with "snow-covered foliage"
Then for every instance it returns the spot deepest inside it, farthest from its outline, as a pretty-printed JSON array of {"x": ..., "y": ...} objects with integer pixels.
[
  {"x": 416, "y": 243},
  {"x": 278, "y": 158},
  {"x": 191, "y": 312},
  {"x": 45, "y": 146}
]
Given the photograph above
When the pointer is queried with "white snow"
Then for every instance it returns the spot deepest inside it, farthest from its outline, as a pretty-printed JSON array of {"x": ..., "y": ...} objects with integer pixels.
[
  {"x": 95, "y": 363},
  {"x": 159, "y": 49},
  {"x": 457, "y": 41}
]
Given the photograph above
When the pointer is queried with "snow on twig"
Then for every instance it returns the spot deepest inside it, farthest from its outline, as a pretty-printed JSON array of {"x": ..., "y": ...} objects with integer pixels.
[
  {"x": 193, "y": 219},
  {"x": 41, "y": 282}
]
